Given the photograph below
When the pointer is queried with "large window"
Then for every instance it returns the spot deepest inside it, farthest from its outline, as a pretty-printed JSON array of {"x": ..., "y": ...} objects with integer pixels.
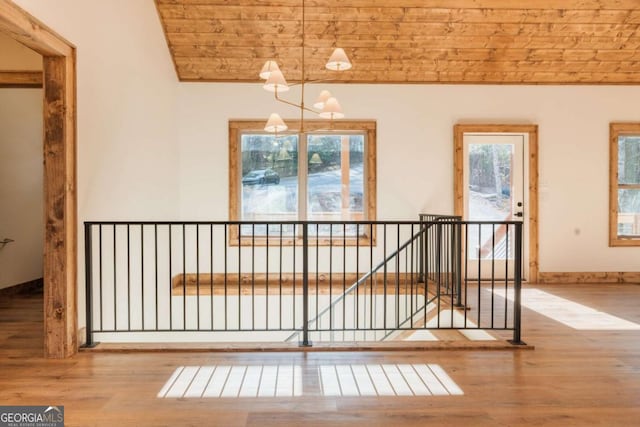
[
  {"x": 315, "y": 175},
  {"x": 624, "y": 189}
]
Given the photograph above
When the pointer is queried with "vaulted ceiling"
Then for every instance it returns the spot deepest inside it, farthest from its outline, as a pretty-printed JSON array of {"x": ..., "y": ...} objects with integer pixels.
[{"x": 408, "y": 41}]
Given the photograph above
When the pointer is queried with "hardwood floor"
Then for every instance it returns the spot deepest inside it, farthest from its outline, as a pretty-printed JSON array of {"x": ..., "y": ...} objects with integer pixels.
[{"x": 572, "y": 378}]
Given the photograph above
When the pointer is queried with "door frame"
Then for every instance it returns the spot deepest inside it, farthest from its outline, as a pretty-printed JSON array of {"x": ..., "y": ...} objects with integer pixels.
[
  {"x": 60, "y": 160},
  {"x": 532, "y": 155}
]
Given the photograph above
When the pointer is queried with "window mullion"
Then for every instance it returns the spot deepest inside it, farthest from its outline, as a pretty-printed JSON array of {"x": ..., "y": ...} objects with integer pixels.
[{"x": 302, "y": 176}]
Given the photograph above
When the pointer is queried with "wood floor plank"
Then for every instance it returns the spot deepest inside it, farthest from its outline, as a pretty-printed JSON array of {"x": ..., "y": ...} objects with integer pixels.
[{"x": 572, "y": 378}]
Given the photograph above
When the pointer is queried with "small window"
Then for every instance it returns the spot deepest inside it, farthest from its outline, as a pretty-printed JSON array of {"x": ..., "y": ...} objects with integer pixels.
[
  {"x": 624, "y": 186},
  {"x": 315, "y": 175}
]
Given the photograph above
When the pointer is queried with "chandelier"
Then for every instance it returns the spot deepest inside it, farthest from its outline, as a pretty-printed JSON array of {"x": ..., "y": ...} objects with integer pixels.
[{"x": 326, "y": 105}]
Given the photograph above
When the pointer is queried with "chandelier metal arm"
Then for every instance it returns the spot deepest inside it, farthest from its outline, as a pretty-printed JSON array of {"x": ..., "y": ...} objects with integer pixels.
[
  {"x": 293, "y": 104},
  {"x": 306, "y": 82}
]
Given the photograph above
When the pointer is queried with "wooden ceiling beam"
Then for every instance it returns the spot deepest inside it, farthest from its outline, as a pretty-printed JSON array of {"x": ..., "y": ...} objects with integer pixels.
[
  {"x": 408, "y": 41},
  {"x": 285, "y": 55},
  {"x": 220, "y": 26},
  {"x": 483, "y": 4},
  {"x": 316, "y": 70},
  {"x": 402, "y": 14},
  {"x": 460, "y": 77},
  {"x": 27, "y": 30}
]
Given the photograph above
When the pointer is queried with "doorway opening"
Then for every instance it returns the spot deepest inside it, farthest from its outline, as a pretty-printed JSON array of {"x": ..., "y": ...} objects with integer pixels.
[
  {"x": 21, "y": 193},
  {"x": 496, "y": 179}
]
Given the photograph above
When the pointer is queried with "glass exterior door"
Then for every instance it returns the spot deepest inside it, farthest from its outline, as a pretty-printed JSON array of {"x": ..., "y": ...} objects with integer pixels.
[{"x": 493, "y": 191}]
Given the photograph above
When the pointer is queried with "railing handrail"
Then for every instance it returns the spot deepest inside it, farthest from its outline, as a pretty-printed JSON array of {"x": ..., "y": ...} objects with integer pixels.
[{"x": 337, "y": 222}]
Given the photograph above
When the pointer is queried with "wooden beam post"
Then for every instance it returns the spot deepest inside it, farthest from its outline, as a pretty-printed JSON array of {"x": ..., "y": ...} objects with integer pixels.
[
  {"x": 60, "y": 261},
  {"x": 60, "y": 205}
]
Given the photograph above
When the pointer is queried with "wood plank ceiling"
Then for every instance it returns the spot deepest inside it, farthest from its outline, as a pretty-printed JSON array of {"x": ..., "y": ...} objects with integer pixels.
[{"x": 409, "y": 41}]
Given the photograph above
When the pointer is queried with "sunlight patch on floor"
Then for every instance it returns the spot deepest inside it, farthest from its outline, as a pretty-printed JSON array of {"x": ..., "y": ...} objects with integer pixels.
[
  {"x": 572, "y": 314},
  {"x": 421, "y": 335},
  {"x": 452, "y": 319},
  {"x": 386, "y": 380},
  {"x": 235, "y": 381}
]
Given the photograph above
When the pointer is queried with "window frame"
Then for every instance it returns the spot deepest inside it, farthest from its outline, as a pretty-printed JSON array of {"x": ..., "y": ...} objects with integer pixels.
[
  {"x": 615, "y": 131},
  {"x": 236, "y": 129}
]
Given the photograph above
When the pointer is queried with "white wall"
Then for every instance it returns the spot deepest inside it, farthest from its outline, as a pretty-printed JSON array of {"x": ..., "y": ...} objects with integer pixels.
[
  {"x": 153, "y": 148},
  {"x": 127, "y": 151},
  {"x": 415, "y": 152},
  {"x": 21, "y": 195},
  {"x": 16, "y": 56}
]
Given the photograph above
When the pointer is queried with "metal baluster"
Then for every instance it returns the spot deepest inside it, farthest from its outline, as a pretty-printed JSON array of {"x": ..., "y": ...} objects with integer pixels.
[
  {"x": 211, "y": 273},
  {"x": 266, "y": 297},
  {"x": 331, "y": 280},
  {"x": 506, "y": 278},
  {"x": 317, "y": 275},
  {"x": 226, "y": 290},
  {"x": 184, "y": 277},
  {"x": 479, "y": 270},
  {"x": 142, "y": 270},
  {"x": 438, "y": 265},
  {"x": 88, "y": 274},
  {"x": 239, "y": 277},
  {"x": 344, "y": 277},
  {"x": 170, "y": 280},
  {"x": 155, "y": 267},
  {"x": 412, "y": 305},
  {"x": 280, "y": 277},
  {"x": 128, "y": 279},
  {"x": 115, "y": 282},
  {"x": 357, "y": 311},
  {"x": 197, "y": 276},
  {"x": 384, "y": 279},
  {"x": 493, "y": 270},
  {"x": 397, "y": 252},
  {"x": 371, "y": 304},
  {"x": 101, "y": 278},
  {"x": 294, "y": 304},
  {"x": 253, "y": 276},
  {"x": 305, "y": 286}
]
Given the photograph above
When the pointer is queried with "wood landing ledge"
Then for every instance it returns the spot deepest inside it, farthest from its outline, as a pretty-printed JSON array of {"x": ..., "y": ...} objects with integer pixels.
[{"x": 294, "y": 347}]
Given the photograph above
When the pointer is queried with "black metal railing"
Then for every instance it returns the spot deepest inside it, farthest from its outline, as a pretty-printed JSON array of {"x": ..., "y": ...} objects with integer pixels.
[{"x": 233, "y": 281}]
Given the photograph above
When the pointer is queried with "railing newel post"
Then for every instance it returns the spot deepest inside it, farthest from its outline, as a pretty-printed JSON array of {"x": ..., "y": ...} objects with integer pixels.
[
  {"x": 517, "y": 287},
  {"x": 305, "y": 285},
  {"x": 421, "y": 248},
  {"x": 458, "y": 260},
  {"x": 88, "y": 274}
]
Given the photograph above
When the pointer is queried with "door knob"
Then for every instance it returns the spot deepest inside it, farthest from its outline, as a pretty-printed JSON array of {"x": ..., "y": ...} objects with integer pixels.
[{"x": 518, "y": 214}]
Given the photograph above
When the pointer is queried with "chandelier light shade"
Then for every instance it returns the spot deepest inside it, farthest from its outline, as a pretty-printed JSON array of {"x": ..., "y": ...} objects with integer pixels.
[
  {"x": 267, "y": 68},
  {"x": 275, "y": 124},
  {"x": 322, "y": 98},
  {"x": 331, "y": 110},
  {"x": 338, "y": 60},
  {"x": 276, "y": 82}
]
